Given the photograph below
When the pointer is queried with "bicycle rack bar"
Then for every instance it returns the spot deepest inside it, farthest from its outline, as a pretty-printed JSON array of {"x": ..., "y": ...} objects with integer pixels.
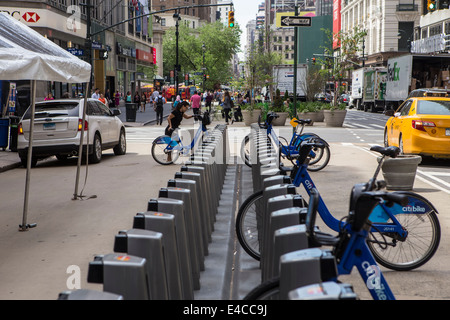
[
  {"x": 124, "y": 275},
  {"x": 202, "y": 237},
  {"x": 146, "y": 244},
  {"x": 286, "y": 240},
  {"x": 176, "y": 208},
  {"x": 204, "y": 215},
  {"x": 165, "y": 224},
  {"x": 329, "y": 290},
  {"x": 280, "y": 219},
  {"x": 86, "y": 294},
  {"x": 191, "y": 240},
  {"x": 304, "y": 267}
]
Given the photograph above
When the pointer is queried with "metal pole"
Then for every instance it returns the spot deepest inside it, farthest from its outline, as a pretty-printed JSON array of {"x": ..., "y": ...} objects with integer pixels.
[
  {"x": 177, "y": 17},
  {"x": 295, "y": 63},
  {"x": 24, "y": 226}
]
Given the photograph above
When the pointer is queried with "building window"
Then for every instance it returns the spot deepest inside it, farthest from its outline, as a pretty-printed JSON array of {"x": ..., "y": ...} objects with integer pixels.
[{"x": 163, "y": 22}]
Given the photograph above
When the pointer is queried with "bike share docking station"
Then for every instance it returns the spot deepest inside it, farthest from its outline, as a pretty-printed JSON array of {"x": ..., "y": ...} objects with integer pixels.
[{"x": 164, "y": 255}]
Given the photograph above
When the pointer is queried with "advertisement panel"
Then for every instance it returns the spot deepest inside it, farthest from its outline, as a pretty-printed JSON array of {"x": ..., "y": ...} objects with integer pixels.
[{"x": 398, "y": 78}]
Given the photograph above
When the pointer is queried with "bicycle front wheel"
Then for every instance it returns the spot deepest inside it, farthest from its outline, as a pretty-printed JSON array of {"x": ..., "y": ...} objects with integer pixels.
[
  {"x": 421, "y": 243},
  {"x": 268, "y": 290},
  {"x": 162, "y": 150},
  {"x": 247, "y": 224}
]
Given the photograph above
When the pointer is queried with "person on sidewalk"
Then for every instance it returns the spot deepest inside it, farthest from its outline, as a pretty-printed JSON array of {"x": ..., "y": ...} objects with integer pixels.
[
  {"x": 117, "y": 99},
  {"x": 159, "y": 108},
  {"x": 227, "y": 106},
  {"x": 143, "y": 102},
  {"x": 196, "y": 101},
  {"x": 137, "y": 100}
]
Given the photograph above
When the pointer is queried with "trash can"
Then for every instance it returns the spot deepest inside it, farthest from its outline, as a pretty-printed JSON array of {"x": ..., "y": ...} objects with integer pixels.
[
  {"x": 4, "y": 124},
  {"x": 131, "y": 111},
  {"x": 13, "y": 132}
]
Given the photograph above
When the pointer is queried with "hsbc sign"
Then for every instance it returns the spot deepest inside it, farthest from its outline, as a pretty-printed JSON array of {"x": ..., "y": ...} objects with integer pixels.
[
  {"x": 34, "y": 17},
  {"x": 31, "y": 17}
]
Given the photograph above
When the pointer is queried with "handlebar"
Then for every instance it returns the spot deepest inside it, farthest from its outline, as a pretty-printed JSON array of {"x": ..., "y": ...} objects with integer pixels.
[{"x": 269, "y": 118}]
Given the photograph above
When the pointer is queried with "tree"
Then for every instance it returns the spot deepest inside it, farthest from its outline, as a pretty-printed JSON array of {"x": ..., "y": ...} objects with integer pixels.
[
  {"x": 259, "y": 65},
  {"x": 221, "y": 43}
]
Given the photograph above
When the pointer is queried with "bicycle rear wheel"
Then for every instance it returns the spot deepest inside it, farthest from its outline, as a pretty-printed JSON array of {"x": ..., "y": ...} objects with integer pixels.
[
  {"x": 424, "y": 234},
  {"x": 247, "y": 224},
  {"x": 320, "y": 159},
  {"x": 162, "y": 150}
]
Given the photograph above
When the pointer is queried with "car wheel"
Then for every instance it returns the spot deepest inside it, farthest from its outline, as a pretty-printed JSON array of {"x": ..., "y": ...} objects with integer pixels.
[
  {"x": 96, "y": 155},
  {"x": 121, "y": 147}
]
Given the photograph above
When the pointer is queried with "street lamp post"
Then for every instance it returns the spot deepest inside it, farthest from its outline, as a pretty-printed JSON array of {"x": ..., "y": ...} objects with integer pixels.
[
  {"x": 177, "y": 18},
  {"x": 204, "y": 68}
]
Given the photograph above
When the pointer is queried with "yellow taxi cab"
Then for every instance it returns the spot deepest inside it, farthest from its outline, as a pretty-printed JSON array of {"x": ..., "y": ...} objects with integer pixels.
[{"x": 421, "y": 125}]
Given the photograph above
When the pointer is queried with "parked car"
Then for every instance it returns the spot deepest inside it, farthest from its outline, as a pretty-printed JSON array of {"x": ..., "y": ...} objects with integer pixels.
[
  {"x": 58, "y": 126},
  {"x": 420, "y": 126},
  {"x": 344, "y": 98}
]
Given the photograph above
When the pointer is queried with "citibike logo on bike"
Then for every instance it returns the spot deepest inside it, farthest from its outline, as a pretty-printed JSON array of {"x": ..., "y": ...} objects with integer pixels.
[
  {"x": 373, "y": 281},
  {"x": 410, "y": 208}
]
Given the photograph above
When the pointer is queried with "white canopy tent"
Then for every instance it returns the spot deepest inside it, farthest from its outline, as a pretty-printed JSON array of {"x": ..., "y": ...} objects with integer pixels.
[{"x": 26, "y": 55}]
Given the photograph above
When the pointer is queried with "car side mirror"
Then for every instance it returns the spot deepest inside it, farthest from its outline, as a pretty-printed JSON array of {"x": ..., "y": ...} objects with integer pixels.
[
  {"x": 389, "y": 113},
  {"x": 116, "y": 112}
]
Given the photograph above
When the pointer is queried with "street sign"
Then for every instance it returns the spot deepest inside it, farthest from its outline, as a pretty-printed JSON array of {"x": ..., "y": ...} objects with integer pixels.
[
  {"x": 76, "y": 52},
  {"x": 295, "y": 21}
]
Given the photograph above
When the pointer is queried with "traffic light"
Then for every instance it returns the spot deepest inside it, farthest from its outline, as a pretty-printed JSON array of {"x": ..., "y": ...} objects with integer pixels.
[
  {"x": 103, "y": 54},
  {"x": 313, "y": 60},
  {"x": 431, "y": 5},
  {"x": 204, "y": 77},
  {"x": 231, "y": 19}
]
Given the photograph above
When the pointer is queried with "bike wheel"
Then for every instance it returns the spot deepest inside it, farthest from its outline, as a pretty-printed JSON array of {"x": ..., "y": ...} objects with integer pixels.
[
  {"x": 320, "y": 159},
  {"x": 162, "y": 150},
  {"x": 421, "y": 243},
  {"x": 247, "y": 224},
  {"x": 268, "y": 290},
  {"x": 245, "y": 151}
]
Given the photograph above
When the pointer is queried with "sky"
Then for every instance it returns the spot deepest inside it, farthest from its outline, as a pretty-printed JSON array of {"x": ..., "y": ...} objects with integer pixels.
[{"x": 244, "y": 11}]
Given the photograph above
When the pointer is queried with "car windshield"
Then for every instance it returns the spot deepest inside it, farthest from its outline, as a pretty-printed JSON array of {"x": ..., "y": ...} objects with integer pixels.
[
  {"x": 54, "y": 109},
  {"x": 435, "y": 107}
]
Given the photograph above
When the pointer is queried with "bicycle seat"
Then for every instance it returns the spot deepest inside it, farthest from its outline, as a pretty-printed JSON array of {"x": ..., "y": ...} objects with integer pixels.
[
  {"x": 303, "y": 121},
  {"x": 392, "y": 152}
]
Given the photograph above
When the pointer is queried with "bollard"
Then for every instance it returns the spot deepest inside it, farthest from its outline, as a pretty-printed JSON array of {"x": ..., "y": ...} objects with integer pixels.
[
  {"x": 305, "y": 267},
  {"x": 165, "y": 224},
  {"x": 202, "y": 237},
  {"x": 329, "y": 290},
  {"x": 176, "y": 208},
  {"x": 86, "y": 294},
  {"x": 146, "y": 244},
  {"x": 286, "y": 240},
  {"x": 280, "y": 219},
  {"x": 191, "y": 240},
  {"x": 120, "y": 274}
]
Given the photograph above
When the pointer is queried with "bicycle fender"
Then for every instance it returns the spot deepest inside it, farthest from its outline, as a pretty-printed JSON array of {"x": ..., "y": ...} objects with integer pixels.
[{"x": 417, "y": 204}]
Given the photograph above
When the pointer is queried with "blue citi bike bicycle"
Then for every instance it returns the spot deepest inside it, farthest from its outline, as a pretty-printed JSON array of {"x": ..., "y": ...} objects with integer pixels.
[
  {"x": 166, "y": 149},
  {"x": 401, "y": 237},
  {"x": 318, "y": 157},
  {"x": 349, "y": 247}
]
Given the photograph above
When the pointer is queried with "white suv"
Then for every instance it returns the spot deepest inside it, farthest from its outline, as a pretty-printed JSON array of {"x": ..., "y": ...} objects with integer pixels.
[{"x": 58, "y": 125}]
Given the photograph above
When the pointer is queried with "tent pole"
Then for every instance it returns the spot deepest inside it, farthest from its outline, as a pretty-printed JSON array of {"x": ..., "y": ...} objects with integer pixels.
[
  {"x": 80, "y": 150},
  {"x": 24, "y": 226}
]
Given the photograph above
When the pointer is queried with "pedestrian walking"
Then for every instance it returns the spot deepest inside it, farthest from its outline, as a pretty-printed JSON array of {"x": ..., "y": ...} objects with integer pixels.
[
  {"x": 49, "y": 97},
  {"x": 227, "y": 105},
  {"x": 176, "y": 102},
  {"x": 102, "y": 99},
  {"x": 143, "y": 102},
  {"x": 196, "y": 100},
  {"x": 159, "y": 108},
  {"x": 117, "y": 99},
  {"x": 208, "y": 101},
  {"x": 128, "y": 97},
  {"x": 96, "y": 94}
]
